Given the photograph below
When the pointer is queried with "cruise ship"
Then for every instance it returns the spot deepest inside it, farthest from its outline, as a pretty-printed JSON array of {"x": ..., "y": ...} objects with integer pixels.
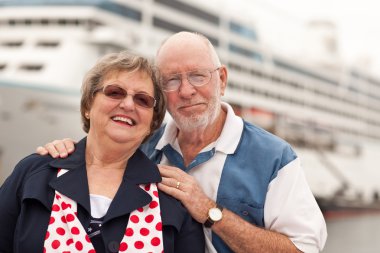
[{"x": 328, "y": 112}]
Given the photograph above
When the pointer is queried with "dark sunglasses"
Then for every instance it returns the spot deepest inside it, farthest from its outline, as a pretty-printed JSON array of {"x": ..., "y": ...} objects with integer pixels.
[{"x": 116, "y": 92}]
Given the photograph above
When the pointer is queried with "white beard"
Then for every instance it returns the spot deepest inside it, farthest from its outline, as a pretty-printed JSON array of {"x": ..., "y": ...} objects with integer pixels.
[{"x": 200, "y": 121}]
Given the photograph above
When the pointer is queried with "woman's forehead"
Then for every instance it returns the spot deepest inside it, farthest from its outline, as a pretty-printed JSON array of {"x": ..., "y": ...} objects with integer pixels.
[{"x": 138, "y": 80}]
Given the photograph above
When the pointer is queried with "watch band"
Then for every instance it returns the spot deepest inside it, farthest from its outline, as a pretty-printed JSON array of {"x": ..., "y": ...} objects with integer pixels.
[{"x": 209, "y": 222}]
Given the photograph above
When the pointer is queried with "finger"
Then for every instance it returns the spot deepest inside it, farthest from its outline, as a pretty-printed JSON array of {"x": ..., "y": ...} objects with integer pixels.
[
  {"x": 69, "y": 144},
  {"x": 61, "y": 148},
  {"x": 172, "y": 172},
  {"x": 50, "y": 147},
  {"x": 41, "y": 150},
  {"x": 172, "y": 191},
  {"x": 171, "y": 182}
]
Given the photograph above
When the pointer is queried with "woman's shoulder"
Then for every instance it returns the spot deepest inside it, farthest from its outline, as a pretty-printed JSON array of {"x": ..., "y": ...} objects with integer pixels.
[{"x": 31, "y": 164}]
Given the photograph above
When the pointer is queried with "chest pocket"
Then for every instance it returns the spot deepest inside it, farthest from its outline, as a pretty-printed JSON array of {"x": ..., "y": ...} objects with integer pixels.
[{"x": 252, "y": 213}]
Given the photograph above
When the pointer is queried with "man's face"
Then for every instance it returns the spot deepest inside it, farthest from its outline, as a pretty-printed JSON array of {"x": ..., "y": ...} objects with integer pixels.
[{"x": 191, "y": 107}]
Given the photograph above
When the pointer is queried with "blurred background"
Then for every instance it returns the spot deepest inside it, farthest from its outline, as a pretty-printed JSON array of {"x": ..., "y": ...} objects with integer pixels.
[{"x": 307, "y": 71}]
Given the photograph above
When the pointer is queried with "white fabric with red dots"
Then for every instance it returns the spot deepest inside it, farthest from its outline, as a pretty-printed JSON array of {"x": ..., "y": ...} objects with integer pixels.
[{"x": 65, "y": 233}]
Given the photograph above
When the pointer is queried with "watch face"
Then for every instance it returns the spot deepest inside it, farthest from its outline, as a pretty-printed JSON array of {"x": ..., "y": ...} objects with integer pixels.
[{"x": 215, "y": 214}]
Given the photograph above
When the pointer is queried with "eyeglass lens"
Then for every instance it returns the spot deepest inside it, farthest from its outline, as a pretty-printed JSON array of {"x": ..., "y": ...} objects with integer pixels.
[
  {"x": 196, "y": 78},
  {"x": 141, "y": 99}
]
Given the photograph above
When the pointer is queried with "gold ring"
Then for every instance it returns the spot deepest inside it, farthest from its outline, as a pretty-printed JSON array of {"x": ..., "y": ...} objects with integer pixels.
[{"x": 178, "y": 184}]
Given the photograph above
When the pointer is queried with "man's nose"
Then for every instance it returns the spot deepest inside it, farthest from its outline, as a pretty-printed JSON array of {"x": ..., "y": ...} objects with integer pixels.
[{"x": 186, "y": 89}]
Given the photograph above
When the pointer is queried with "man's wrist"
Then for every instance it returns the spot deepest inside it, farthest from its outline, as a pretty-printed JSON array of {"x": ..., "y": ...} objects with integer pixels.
[{"x": 215, "y": 214}]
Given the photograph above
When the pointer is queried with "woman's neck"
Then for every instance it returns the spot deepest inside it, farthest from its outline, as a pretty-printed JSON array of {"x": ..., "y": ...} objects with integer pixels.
[
  {"x": 105, "y": 165},
  {"x": 108, "y": 153}
]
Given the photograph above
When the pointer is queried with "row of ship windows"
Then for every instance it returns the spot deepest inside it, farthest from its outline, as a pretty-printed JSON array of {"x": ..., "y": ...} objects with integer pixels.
[
  {"x": 157, "y": 22},
  {"x": 19, "y": 43},
  {"x": 235, "y": 27},
  {"x": 355, "y": 75},
  {"x": 296, "y": 85},
  {"x": 300, "y": 70},
  {"x": 47, "y": 22},
  {"x": 301, "y": 102},
  {"x": 133, "y": 13},
  {"x": 368, "y": 79},
  {"x": 24, "y": 67},
  {"x": 136, "y": 15}
]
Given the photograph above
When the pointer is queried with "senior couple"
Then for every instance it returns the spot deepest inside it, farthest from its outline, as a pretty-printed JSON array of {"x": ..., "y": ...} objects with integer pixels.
[{"x": 223, "y": 185}]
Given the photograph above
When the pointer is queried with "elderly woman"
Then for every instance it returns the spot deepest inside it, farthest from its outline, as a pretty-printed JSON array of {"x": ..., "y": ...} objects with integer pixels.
[{"x": 104, "y": 197}]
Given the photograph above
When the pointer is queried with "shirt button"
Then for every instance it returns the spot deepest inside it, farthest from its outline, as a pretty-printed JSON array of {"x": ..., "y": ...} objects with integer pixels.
[{"x": 245, "y": 213}]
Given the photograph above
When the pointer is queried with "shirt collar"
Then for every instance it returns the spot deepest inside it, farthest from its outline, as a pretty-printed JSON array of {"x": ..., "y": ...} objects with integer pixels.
[{"x": 227, "y": 141}]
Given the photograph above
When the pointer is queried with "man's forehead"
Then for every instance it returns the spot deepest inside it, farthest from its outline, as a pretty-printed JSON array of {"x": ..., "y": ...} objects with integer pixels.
[
  {"x": 180, "y": 68},
  {"x": 181, "y": 62}
]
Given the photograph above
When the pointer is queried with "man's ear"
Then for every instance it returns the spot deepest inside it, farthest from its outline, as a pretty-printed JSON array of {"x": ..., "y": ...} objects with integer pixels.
[{"x": 223, "y": 79}]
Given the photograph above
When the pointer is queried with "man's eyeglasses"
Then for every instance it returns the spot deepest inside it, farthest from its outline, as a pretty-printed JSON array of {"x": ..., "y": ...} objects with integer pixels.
[
  {"x": 116, "y": 92},
  {"x": 196, "y": 78}
]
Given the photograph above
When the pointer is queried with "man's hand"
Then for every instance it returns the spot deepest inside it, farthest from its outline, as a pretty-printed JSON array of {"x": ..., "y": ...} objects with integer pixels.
[
  {"x": 184, "y": 187},
  {"x": 57, "y": 148}
]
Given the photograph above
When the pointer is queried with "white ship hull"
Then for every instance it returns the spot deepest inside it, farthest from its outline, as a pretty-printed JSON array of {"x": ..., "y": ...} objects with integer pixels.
[{"x": 329, "y": 114}]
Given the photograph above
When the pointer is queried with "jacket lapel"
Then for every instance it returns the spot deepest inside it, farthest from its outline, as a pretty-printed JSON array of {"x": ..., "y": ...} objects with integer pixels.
[
  {"x": 129, "y": 197},
  {"x": 74, "y": 185}
]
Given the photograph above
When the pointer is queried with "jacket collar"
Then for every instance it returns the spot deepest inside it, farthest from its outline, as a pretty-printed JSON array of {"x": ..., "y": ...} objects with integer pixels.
[
  {"x": 129, "y": 197},
  {"x": 139, "y": 170}
]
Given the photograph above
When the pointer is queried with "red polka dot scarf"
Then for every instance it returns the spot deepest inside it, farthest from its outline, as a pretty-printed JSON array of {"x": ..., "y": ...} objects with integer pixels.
[{"x": 65, "y": 233}]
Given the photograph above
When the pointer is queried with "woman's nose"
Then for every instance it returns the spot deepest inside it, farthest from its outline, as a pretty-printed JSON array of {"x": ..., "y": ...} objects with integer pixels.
[{"x": 127, "y": 102}]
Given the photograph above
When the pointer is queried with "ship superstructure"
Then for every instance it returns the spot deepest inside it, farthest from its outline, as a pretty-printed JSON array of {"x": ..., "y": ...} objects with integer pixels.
[{"x": 331, "y": 114}]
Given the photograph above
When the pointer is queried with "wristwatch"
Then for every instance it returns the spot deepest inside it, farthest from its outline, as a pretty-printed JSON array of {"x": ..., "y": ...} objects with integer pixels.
[{"x": 214, "y": 214}]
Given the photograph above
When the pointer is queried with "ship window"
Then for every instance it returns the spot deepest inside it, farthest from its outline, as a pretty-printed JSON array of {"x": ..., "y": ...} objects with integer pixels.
[
  {"x": 160, "y": 23},
  {"x": 186, "y": 8},
  {"x": 72, "y": 22},
  {"x": 48, "y": 44},
  {"x": 246, "y": 52},
  {"x": 44, "y": 21},
  {"x": 243, "y": 31},
  {"x": 92, "y": 24},
  {"x": 122, "y": 10},
  {"x": 2, "y": 66},
  {"x": 31, "y": 67},
  {"x": 302, "y": 71},
  {"x": 12, "y": 22},
  {"x": 62, "y": 21},
  {"x": 16, "y": 43}
]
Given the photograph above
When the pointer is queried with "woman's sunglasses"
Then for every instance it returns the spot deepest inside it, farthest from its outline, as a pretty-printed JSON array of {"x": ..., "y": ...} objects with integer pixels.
[{"x": 116, "y": 92}]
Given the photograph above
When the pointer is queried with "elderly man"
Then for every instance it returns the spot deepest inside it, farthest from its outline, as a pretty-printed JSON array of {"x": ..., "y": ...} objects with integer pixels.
[{"x": 244, "y": 184}]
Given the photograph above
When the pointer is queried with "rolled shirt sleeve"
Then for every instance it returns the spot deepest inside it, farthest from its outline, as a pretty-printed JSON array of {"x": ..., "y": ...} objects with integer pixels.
[{"x": 291, "y": 209}]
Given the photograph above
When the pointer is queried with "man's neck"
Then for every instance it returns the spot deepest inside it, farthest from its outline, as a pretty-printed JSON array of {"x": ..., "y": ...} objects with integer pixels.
[{"x": 192, "y": 142}]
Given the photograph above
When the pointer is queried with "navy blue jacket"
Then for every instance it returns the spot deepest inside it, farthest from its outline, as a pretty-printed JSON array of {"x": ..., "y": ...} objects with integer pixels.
[{"x": 26, "y": 199}]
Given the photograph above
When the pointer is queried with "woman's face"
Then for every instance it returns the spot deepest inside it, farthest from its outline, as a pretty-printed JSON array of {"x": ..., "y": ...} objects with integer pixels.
[{"x": 121, "y": 119}]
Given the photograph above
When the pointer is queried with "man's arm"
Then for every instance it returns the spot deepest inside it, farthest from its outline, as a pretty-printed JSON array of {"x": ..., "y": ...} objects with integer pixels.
[
  {"x": 238, "y": 234},
  {"x": 58, "y": 148}
]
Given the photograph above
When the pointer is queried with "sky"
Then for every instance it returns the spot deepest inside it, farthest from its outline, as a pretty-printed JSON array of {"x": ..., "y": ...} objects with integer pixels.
[{"x": 357, "y": 25}]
